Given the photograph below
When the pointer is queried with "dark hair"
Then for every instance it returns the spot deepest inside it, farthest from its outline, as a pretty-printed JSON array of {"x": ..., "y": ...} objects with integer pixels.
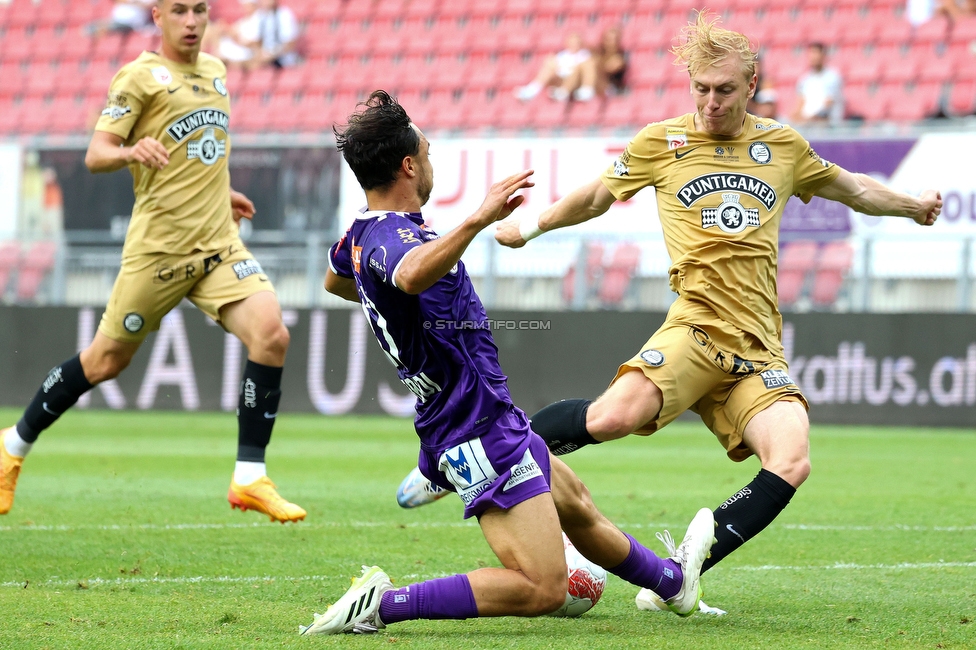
[
  {"x": 376, "y": 140},
  {"x": 816, "y": 45}
]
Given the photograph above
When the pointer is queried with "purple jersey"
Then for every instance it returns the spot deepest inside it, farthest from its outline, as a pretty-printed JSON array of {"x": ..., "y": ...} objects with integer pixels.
[{"x": 438, "y": 340}]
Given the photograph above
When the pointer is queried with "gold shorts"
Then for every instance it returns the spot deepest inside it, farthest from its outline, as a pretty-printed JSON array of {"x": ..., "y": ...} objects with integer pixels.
[
  {"x": 714, "y": 369},
  {"x": 149, "y": 286}
]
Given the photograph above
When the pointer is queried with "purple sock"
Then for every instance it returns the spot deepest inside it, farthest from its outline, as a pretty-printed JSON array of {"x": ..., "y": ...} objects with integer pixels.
[
  {"x": 449, "y": 597},
  {"x": 645, "y": 569}
]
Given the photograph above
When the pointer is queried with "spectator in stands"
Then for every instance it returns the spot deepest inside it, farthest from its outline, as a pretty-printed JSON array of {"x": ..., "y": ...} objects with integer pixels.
[
  {"x": 278, "y": 35},
  {"x": 610, "y": 61},
  {"x": 564, "y": 74},
  {"x": 238, "y": 43},
  {"x": 127, "y": 16},
  {"x": 819, "y": 91},
  {"x": 919, "y": 12},
  {"x": 763, "y": 103}
]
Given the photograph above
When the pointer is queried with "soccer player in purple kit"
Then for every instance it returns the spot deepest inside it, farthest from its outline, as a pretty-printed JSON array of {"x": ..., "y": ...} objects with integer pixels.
[{"x": 427, "y": 318}]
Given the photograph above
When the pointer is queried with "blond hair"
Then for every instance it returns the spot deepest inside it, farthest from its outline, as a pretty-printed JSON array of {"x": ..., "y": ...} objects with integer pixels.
[{"x": 703, "y": 44}]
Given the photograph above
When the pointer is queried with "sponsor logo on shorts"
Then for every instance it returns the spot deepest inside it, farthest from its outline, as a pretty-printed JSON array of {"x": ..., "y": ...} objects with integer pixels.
[
  {"x": 759, "y": 151},
  {"x": 526, "y": 469},
  {"x": 468, "y": 469},
  {"x": 775, "y": 378},
  {"x": 133, "y": 322},
  {"x": 210, "y": 263},
  {"x": 246, "y": 268},
  {"x": 653, "y": 358}
]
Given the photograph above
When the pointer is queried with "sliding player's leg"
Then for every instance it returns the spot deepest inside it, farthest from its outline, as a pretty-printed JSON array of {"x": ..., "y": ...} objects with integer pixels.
[{"x": 675, "y": 578}]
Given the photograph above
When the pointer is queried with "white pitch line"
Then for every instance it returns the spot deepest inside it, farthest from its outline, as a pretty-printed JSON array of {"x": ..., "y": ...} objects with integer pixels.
[
  {"x": 189, "y": 580},
  {"x": 452, "y": 524}
]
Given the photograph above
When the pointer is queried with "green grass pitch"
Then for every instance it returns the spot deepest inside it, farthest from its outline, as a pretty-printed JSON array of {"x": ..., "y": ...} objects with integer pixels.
[{"x": 121, "y": 537}]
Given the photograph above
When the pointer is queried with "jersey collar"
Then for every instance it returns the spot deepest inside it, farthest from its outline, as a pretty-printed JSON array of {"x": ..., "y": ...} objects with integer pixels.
[{"x": 416, "y": 217}]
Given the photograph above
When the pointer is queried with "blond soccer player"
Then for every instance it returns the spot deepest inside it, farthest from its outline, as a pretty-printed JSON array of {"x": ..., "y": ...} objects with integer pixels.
[{"x": 167, "y": 120}]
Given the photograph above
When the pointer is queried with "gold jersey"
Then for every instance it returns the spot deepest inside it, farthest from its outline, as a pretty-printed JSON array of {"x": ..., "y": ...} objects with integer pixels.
[
  {"x": 720, "y": 201},
  {"x": 184, "y": 207}
]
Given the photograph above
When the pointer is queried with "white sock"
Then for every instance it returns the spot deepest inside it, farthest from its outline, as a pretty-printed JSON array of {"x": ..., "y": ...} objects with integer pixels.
[
  {"x": 528, "y": 91},
  {"x": 246, "y": 472},
  {"x": 16, "y": 446}
]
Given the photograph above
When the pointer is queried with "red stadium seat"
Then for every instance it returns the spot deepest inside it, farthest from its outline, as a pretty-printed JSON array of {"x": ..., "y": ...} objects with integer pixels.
[
  {"x": 50, "y": 14},
  {"x": 618, "y": 274},
  {"x": 422, "y": 9},
  {"x": 964, "y": 62},
  {"x": 915, "y": 104},
  {"x": 483, "y": 114},
  {"x": 14, "y": 80},
  {"x": 82, "y": 13},
  {"x": 108, "y": 47},
  {"x": 37, "y": 261},
  {"x": 325, "y": 11},
  {"x": 963, "y": 31},
  {"x": 796, "y": 259},
  {"x": 933, "y": 31},
  {"x": 893, "y": 31},
  {"x": 135, "y": 44},
  {"x": 292, "y": 80},
  {"x": 549, "y": 114},
  {"x": 865, "y": 70},
  {"x": 835, "y": 261},
  {"x": 593, "y": 268},
  {"x": 45, "y": 46},
  {"x": 620, "y": 111},
  {"x": 36, "y": 116},
  {"x": 68, "y": 116},
  {"x": 901, "y": 69},
  {"x": 962, "y": 98},
  {"x": 76, "y": 45},
  {"x": 585, "y": 115},
  {"x": 16, "y": 46},
  {"x": 42, "y": 80},
  {"x": 22, "y": 14},
  {"x": 10, "y": 124}
]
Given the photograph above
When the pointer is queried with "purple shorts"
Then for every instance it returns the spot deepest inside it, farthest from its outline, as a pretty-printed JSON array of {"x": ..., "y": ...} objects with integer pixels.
[{"x": 503, "y": 467}]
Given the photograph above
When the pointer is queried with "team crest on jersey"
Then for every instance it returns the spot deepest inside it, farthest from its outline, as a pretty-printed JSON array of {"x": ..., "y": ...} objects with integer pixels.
[
  {"x": 676, "y": 137},
  {"x": 202, "y": 118},
  {"x": 702, "y": 186},
  {"x": 759, "y": 151},
  {"x": 620, "y": 169},
  {"x": 208, "y": 148},
  {"x": 730, "y": 216},
  {"x": 116, "y": 112},
  {"x": 162, "y": 75}
]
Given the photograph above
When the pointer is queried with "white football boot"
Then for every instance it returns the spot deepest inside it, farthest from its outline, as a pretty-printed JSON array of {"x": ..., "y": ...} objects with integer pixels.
[
  {"x": 691, "y": 554},
  {"x": 417, "y": 490},
  {"x": 357, "y": 612},
  {"x": 648, "y": 601}
]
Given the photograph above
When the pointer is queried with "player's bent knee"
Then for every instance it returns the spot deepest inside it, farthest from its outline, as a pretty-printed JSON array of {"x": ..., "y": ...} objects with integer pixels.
[{"x": 549, "y": 597}]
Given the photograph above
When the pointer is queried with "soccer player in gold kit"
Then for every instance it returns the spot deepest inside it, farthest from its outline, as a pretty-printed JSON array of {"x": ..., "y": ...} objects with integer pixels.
[
  {"x": 167, "y": 120},
  {"x": 722, "y": 178}
]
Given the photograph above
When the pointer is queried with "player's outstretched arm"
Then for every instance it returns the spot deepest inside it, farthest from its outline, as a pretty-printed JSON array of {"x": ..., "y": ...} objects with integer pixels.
[
  {"x": 339, "y": 286},
  {"x": 106, "y": 153},
  {"x": 578, "y": 206},
  {"x": 429, "y": 262},
  {"x": 868, "y": 196}
]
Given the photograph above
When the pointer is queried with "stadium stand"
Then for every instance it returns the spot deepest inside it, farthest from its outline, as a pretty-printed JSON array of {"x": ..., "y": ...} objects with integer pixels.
[
  {"x": 458, "y": 61},
  {"x": 34, "y": 267}
]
